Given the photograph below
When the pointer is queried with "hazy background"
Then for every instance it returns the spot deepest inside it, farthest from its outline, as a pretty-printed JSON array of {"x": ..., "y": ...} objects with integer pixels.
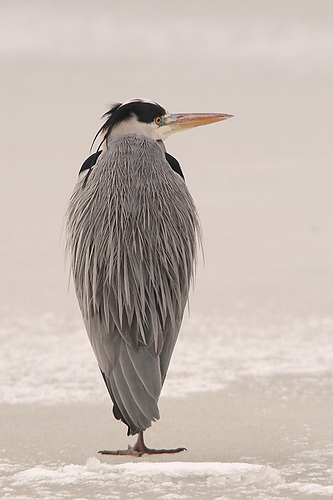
[{"x": 262, "y": 181}]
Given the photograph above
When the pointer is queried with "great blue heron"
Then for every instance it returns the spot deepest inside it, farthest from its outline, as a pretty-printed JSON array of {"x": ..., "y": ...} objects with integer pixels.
[{"x": 132, "y": 231}]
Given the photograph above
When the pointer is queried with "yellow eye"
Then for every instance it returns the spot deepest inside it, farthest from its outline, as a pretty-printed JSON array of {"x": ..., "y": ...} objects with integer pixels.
[{"x": 158, "y": 120}]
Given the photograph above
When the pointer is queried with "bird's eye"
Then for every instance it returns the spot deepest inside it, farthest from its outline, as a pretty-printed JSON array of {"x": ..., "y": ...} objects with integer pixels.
[{"x": 158, "y": 120}]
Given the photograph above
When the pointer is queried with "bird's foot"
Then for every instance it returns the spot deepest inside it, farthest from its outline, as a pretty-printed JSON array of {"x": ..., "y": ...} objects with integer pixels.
[
  {"x": 140, "y": 449},
  {"x": 130, "y": 451}
]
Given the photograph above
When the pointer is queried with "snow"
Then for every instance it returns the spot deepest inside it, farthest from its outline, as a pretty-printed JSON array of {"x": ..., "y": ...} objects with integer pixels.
[
  {"x": 93, "y": 468},
  {"x": 144, "y": 480},
  {"x": 166, "y": 480},
  {"x": 313, "y": 489}
]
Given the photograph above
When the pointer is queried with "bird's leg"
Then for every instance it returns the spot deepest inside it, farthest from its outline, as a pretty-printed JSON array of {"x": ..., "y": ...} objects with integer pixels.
[{"x": 140, "y": 449}]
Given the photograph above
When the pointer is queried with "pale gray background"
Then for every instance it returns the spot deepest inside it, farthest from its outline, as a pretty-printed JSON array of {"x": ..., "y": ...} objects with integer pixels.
[{"x": 262, "y": 181}]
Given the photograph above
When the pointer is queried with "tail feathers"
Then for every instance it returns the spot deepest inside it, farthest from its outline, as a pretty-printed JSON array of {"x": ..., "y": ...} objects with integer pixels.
[
  {"x": 144, "y": 365},
  {"x": 134, "y": 385}
]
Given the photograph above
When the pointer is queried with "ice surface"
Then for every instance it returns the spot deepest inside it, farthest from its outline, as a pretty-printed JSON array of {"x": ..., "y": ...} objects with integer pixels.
[
  {"x": 46, "y": 359},
  {"x": 313, "y": 489},
  {"x": 93, "y": 467},
  {"x": 144, "y": 480},
  {"x": 273, "y": 403}
]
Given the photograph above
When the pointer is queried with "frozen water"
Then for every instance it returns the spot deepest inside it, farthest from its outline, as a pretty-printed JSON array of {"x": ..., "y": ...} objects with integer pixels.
[
  {"x": 211, "y": 353},
  {"x": 144, "y": 480},
  {"x": 278, "y": 379}
]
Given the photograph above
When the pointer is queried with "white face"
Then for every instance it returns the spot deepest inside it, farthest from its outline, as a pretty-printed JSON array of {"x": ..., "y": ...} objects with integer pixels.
[{"x": 155, "y": 130}]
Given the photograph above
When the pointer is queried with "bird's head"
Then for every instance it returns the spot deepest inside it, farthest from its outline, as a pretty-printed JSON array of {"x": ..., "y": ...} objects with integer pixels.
[{"x": 148, "y": 118}]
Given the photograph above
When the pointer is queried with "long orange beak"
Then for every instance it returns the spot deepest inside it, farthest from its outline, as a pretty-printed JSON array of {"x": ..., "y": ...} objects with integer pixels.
[{"x": 185, "y": 121}]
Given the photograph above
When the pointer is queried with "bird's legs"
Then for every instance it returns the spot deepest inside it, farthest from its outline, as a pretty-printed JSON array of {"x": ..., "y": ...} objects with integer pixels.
[{"x": 140, "y": 449}]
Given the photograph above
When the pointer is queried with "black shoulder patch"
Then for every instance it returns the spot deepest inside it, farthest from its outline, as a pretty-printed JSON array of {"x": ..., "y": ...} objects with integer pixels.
[
  {"x": 174, "y": 164},
  {"x": 90, "y": 162}
]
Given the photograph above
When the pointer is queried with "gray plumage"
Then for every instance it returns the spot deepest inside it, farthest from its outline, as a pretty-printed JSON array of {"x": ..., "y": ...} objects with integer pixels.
[{"x": 132, "y": 232}]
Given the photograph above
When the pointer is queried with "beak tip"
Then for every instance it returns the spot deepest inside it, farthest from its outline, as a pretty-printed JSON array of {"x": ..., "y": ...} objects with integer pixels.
[{"x": 225, "y": 117}]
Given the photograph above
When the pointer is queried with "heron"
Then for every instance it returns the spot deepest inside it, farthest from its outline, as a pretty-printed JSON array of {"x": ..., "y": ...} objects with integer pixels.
[{"x": 132, "y": 238}]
